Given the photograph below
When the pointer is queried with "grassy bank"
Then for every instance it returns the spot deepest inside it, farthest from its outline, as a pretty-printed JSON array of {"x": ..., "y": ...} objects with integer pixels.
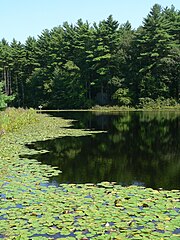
[
  {"x": 16, "y": 119},
  {"x": 145, "y": 107},
  {"x": 119, "y": 109},
  {"x": 32, "y": 209}
]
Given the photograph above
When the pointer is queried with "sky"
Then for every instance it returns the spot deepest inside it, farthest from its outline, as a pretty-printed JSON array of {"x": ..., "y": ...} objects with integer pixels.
[{"x": 20, "y": 19}]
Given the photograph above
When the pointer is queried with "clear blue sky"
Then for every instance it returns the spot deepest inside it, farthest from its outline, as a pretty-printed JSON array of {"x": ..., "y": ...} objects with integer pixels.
[{"x": 22, "y": 18}]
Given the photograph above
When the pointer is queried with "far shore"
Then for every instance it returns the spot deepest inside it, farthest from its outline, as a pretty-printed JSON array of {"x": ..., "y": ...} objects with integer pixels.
[{"x": 113, "y": 109}]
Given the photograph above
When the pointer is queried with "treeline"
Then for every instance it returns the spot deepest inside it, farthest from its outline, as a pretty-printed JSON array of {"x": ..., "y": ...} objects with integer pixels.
[{"x": 82, "y": 65}]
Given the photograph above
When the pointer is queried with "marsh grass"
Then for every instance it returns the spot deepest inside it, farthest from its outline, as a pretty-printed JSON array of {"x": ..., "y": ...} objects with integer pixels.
[{"x": 16, "y": 119}]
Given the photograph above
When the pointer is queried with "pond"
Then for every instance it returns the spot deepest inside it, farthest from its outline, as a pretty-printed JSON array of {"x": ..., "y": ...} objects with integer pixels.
[{"x": 139, "y": 148}]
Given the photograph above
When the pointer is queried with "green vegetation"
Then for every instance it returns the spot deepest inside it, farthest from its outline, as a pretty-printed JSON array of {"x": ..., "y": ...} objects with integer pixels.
[
  {"x": 83, "y": 65},
  {"x": 16, "y": 119},
  {"x": 4, "y": 99},
  {"x": 144, "y": 105},
  {"x": 32, "y": 209}
]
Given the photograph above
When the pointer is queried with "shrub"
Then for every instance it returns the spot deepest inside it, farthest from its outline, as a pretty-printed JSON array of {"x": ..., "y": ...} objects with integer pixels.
[
  {"x": 159, "y": 103},
  {"x": 14, "y": 119}
]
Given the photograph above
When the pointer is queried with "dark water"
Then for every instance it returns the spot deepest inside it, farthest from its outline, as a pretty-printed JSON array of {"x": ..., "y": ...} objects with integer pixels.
[{"x": 138, "y": 148}]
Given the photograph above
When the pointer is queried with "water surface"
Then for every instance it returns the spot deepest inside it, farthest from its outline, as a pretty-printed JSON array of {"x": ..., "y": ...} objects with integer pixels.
[{"x": 139, "y": 148}]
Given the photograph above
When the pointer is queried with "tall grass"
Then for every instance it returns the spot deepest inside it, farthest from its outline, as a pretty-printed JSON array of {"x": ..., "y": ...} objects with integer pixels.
[{"x": 15, "y": 119}]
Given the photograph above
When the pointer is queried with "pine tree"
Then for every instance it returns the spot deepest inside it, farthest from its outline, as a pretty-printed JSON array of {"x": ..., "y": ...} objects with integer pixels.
[{"x": 153, "y": 49}]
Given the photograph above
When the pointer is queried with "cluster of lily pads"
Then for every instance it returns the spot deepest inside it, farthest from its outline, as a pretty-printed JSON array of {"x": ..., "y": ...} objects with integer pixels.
[{"x": 31, "y": 208}]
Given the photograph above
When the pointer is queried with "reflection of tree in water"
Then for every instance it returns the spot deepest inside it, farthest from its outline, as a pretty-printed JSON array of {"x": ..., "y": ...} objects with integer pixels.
[
  {"x": 151, "y": 142},
  {"x": 140, "y": 147}
]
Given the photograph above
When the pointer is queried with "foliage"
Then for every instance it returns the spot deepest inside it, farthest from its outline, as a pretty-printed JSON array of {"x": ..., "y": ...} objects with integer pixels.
[
  {"x": 4, "y": 99},
  {"x": 155, "y": 50},
  {"x": 82, "y": 65},
  {"x": 121, "y": 95},
  {"x": 160, "y": 103},
  {"x": 33, "y": 209}
]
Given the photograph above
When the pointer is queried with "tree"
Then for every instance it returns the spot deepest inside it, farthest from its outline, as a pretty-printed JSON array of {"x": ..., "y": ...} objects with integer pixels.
[
  {"x": 119, "y": 82},
  {"x": 4, "y": 99},
  {"x": 105, "y": 45},
  {"x": 18, "y": 55},
  {"x": 83, "y": 55},
  {"x": 6, "y": 63},
  {"x": 78, "y": 66},
  {"x": 153, "y": 48}
]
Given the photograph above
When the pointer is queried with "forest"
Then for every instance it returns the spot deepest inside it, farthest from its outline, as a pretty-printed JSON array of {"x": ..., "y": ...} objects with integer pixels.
[{"x": 107, "y": 63}]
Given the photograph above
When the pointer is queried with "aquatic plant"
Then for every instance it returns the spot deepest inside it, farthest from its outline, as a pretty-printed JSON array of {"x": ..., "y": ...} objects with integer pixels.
[{"x": 31, "y": 208}]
